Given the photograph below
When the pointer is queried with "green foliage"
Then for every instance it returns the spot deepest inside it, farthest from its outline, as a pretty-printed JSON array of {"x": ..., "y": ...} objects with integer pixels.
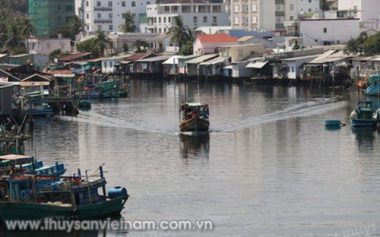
[
  {"x": 96, "y": 46},
  {"x": 73, "y": 27},
  {"x": 182, "y": 36},
  {"x": 372, "y": 45},
  {"x": 356, "y": 46},
  {"x": 129, "y": 23},
  {"x": 325, "y": 6},
  {"x": 140, "y": 46},
  {"x": 187, "y": 49}
]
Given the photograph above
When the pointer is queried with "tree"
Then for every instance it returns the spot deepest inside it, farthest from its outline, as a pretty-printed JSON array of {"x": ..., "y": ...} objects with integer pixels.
[
  {"x": 73, "y": 28},
  {"x": 101, "y": 43},
  {"x": 182, "y": 36},
  {"x": 356, "y": 46},
  {"x": 129, "y": 23},
  {"x": 324, "y": 5},
  {"x": 140, "y": 46},
  {"x": 14, "y": 37},
  {"x": 26, "y": 27},
  {"x": 372, "y": 45}
]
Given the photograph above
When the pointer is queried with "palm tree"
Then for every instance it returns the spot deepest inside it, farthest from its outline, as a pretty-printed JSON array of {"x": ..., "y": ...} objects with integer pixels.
[
  {"x": 180, "y": 33},
  {"x": 14, "y": 36},
  {"x": 129, "y": 23},
  {"x": 101, "y": 42},
  {"x": 26, "y": 27}
]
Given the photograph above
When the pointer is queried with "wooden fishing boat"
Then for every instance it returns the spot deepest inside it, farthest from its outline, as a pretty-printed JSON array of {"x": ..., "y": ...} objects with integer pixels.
[
  {"x": 194, "y": 117},
  {"x": 72, "y": 197},
  {"x": 24, "y": 164},
  {"x": 364, "y": 115}
]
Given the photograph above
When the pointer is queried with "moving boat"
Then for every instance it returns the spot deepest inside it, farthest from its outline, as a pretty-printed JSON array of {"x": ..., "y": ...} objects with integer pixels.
[
  {"x": 194, "y": 117},
  {"x": 25, "y": 197},
  {"x": 364, "y": 115}
]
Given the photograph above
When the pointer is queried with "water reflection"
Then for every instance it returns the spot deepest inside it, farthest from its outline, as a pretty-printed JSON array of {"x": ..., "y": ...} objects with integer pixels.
[
  {"x": 364, "y": 137},
  {"x": 195, "y": 146}
]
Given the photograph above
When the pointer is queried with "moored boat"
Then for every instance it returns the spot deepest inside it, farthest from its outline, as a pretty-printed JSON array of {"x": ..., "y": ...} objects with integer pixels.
[
  {"x": 373, "y": 88},
  {"x": 364, "y": 115},
  {"x": 72, "y": 197},
  {"x": 194, "y": 117}
]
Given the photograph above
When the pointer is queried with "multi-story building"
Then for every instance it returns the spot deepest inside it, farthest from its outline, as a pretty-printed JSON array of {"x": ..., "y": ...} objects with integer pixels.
[
  {"x": 269, "y": 15},
  {"x": 194, "y": 13},
  {"x": 108, "y": 15},
  {"x": 49, "y": 16}
]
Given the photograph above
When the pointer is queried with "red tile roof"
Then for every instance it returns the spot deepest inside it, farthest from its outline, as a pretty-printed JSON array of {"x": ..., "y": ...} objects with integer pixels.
[
  {"x": 217, "y": 38},
  {"x": 137, "y": 56}
]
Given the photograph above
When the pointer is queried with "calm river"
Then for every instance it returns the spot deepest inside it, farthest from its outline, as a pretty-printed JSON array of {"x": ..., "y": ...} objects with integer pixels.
[{"x": 268, "y": 168}]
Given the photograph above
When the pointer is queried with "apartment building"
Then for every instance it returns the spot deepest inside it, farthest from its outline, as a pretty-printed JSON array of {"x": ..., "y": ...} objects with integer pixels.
[
  {"x": 195, "y": 13},
  {"x": 269, "y": 15},
  {"x": 108, "y": 15}
]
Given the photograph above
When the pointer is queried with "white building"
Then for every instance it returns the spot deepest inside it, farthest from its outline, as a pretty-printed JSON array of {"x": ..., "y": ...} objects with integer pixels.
[
  {"x": 193, "y": 13},
  {"x": 45, "y": 46},
  {"x": 108, "y": 15},
  {"x": 269, "y": 15},
  {"x": 367, "y": 11},
  {"x": 328, "y": 31}
]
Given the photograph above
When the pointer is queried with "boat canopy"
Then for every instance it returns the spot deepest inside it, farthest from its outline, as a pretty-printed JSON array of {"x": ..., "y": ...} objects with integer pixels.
[{"x": 14, "y": 157}]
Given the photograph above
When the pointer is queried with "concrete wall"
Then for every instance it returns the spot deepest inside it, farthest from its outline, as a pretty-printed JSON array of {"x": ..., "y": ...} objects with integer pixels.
[
  {"x": 240, "y": 52},
  {"x": 46, "y": 46},
  {"x": 319, "y": 32}
]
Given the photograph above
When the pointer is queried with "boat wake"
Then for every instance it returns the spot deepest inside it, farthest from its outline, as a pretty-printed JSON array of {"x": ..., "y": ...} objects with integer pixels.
[
  {"x": 300, "y": 110},
  {"x": 306, "y": 109}
]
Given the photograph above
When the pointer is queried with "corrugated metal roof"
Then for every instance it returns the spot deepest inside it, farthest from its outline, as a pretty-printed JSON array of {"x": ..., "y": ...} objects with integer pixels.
[
  {"x": 154, "y": 59},
  {"x": 259, "y": 64},
  {"x": 330, "y": 56},
  {"x": 215, "y": 61},
  {"x": 202, "y": 58},
  {"x": 300, "y": 58}
]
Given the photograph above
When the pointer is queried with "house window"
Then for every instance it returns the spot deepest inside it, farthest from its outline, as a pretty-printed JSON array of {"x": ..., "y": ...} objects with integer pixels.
[
  {"x": 214, "y": 19},
  {"x": 99, "y": 15},
  {"x": 195, "y": 19},
  {"x": 133, "y": 4},
  {"x": 123, "y": 4},
  {"x": 205, "y": 19},
  {"x": 110, "y": 16},
  {"x": 164, "y": 19},
  {"x": 325, "y": 30},
  {"x": 98, "y": 4},
  {"x": 110, "y": 3},
  {"x": 87, "y": 4},
  {"x": 110, "y": 27},
  {"x": 87, "y": 16}
]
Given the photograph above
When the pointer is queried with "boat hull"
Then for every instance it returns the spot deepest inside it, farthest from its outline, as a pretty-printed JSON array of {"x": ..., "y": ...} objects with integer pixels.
[
  {"x": 196, "y": 124},
  {"x": 27, "y": 211},
  {"x": 363, "y": 122}
]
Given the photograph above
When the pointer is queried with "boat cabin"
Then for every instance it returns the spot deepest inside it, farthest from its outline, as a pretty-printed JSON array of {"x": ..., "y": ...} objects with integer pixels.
[{"x": 190, "y": 110}]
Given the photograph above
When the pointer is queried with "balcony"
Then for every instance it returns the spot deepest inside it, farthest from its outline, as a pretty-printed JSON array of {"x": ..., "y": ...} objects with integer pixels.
[
  {"x": 103, "y": 21},
  {"x": 102, "y": 8}
]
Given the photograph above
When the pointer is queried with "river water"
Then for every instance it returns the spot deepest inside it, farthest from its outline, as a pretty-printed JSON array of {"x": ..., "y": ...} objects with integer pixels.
[{"x": 268, "y": 168}]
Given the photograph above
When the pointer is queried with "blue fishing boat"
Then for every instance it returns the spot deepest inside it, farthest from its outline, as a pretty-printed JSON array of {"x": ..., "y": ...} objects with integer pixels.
[
  {"x": 365, "y": 115},
  {"x": 373, "y": 88},
  {"x": 71, "y": 197},
  {"x": 24, "y": 164}
]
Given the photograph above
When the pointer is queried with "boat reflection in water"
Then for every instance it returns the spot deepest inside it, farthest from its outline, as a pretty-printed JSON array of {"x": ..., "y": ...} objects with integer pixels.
[
  {"x": 365, "y": 137},
  {"x": 195, "y": 146}
]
